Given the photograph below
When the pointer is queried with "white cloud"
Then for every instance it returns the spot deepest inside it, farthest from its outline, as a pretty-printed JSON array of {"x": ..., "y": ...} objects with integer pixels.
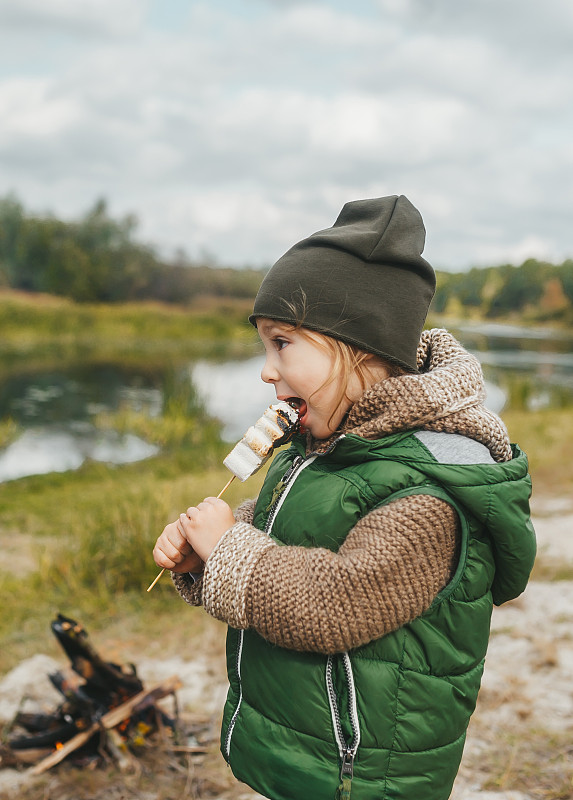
[
  {"x": 321, "y": 26},
  {"x": 529, "y": 247},
  {"x": 512, "y": 23},
  {"x": 242, "y": 134},
  {"x": 31, "y": 109},
  {"x": 75, "y": 17}
]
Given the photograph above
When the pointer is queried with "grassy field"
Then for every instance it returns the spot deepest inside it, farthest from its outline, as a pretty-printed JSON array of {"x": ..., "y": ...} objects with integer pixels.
[
  {"x": 80, "y": 542},
  {"x": 547, "y": 438},
  {"x": 39, "y": 328}
]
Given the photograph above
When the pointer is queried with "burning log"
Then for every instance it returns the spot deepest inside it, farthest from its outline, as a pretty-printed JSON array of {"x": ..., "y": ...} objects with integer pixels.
[
  {"x": 100, "y": 698},
  {"x": 87, "y": 662},
  {"x": 109, "y": 721}
]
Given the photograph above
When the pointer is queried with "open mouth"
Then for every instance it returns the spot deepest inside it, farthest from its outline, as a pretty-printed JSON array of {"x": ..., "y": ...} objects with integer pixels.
[{"x": 301, "y": 407}]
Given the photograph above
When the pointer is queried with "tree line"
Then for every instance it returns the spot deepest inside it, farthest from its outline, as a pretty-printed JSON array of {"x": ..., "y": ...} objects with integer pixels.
[
  {"x": 537, "y": 289},
  {"x": 98, "y": 259}
]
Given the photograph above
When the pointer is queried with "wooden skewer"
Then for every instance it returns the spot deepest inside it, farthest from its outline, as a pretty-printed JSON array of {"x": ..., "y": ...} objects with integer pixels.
[
  {"x": 150, "y": 587},
  {"x": 224, "y": 489},
  {"x": 226, "y": 486}
]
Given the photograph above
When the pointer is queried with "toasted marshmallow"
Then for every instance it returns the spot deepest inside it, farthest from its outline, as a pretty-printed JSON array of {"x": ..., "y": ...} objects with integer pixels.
[{"x": 273, "y": 429}]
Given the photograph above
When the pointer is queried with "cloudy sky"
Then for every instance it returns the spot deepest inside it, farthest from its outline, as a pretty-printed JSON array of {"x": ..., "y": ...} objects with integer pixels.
[{"x": 236, "y": 127}]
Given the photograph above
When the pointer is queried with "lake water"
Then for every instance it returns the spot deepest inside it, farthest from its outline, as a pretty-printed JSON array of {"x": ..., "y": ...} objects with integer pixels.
[
  {"x": 55, "y": 408},
  {"x": 533, "y": 366}
]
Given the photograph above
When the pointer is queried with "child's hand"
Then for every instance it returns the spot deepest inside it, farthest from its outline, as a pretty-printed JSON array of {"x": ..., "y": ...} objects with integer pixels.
[
  {"x": 173, "y": 551},
  {"x": 205, "y": 524}
]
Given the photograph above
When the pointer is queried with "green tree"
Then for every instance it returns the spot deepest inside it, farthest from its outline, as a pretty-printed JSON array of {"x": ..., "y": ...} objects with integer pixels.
[
  {"x": 566, "y": 275},
  {"x": 522, "y": 287},
  {"x": 11, "y": 223}
]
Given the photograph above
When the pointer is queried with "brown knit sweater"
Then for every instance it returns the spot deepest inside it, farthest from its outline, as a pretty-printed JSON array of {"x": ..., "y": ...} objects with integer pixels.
[{"x": 393, "y": 562}]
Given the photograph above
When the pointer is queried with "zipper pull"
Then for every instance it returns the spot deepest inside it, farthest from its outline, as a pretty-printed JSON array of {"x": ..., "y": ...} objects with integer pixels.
[
  {"x": 346, "y": 773},
  {"x": 280, "y": 487},
  {"x": 277, "y": 491}
]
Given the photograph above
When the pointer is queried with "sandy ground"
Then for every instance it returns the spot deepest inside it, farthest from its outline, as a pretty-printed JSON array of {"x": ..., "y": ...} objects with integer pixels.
[{"x": 526, "y": 696}]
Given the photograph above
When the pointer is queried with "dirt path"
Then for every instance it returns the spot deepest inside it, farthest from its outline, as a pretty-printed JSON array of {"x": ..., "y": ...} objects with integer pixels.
[{"x": 520, "y": 741}]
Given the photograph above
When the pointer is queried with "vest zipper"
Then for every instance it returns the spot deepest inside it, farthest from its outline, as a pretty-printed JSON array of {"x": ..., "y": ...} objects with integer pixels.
[
  {"x": 239, "y": 701},
  {"x": 347, "y": 750},
  {"x": 297, "y": 466}
]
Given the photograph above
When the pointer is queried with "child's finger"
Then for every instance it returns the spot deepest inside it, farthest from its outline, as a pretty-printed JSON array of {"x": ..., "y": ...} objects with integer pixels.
[
  {"x": 209, "y": 502},
  {"x": 171, "y": 551},
  {"x": 162, "y": 559},
  {"x": 175, "y": 535},
  {"x": 184, "y": 525}
]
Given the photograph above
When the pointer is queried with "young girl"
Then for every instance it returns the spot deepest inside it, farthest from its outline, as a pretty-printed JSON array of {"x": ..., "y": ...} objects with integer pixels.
[{"x": 358, "y": 587}]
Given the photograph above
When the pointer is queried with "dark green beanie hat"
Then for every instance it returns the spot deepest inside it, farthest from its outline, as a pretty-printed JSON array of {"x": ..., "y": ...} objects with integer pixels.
[{"x": 363, "y": 281}]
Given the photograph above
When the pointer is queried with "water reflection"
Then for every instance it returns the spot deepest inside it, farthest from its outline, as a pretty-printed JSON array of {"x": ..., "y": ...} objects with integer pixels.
[
  {"x": 56, "y": 409},
  {"x": 56, "y": 396},
  {"x": 503, "y": 331},
  {"x": 534, "y": 366},
  {"x": 50, "y": 449},
  {"x": 233, "y": 392}
]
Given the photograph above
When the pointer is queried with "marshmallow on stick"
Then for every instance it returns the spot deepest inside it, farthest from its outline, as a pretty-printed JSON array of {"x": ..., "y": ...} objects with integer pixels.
[
  {"x": 275, "y": 428},
  {"x": 270, "y": 431}
]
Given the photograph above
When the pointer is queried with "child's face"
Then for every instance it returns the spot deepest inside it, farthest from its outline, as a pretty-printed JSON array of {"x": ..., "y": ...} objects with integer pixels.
[{"x": 300, "y": 369}]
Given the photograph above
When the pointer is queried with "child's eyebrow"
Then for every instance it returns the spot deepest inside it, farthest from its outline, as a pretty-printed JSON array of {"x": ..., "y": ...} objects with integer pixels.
[{"x": 270, "y": 328}]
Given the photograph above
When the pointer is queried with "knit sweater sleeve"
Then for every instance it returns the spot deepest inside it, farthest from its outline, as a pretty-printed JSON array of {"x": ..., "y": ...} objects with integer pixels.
[{"x": 388, "y": 571}]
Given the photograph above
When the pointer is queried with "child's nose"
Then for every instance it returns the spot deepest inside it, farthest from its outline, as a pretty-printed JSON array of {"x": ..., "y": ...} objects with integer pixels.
[{"x": 269, "y": 373}]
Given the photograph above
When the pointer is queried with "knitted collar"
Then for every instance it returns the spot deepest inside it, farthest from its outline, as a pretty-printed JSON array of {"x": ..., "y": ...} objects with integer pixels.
[{"x": 446, "y": 396}]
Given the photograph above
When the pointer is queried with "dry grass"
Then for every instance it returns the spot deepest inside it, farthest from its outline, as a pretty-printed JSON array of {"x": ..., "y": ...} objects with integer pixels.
[
  {"x": 9, "y": 430},
  {"x": 537, "y": 762},
  {"x": 39, "y": 329},
  {"x": 547, "y": 438},
  {"x": 551, "y": 569}
]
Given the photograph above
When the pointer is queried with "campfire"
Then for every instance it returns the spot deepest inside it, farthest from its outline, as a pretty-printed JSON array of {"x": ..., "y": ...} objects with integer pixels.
[{"x": 105, "y": 711}]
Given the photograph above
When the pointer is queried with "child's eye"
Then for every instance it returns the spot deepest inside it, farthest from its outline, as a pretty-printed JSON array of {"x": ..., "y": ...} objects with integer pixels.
[{"x": 280, "y": 343}]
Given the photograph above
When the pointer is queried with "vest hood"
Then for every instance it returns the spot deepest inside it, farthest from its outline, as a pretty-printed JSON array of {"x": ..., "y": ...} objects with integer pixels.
[{"x": 497, "y": 495}]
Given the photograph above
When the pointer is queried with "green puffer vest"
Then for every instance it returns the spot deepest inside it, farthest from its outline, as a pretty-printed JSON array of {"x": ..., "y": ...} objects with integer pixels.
[{"x": 391, "y": 716}]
